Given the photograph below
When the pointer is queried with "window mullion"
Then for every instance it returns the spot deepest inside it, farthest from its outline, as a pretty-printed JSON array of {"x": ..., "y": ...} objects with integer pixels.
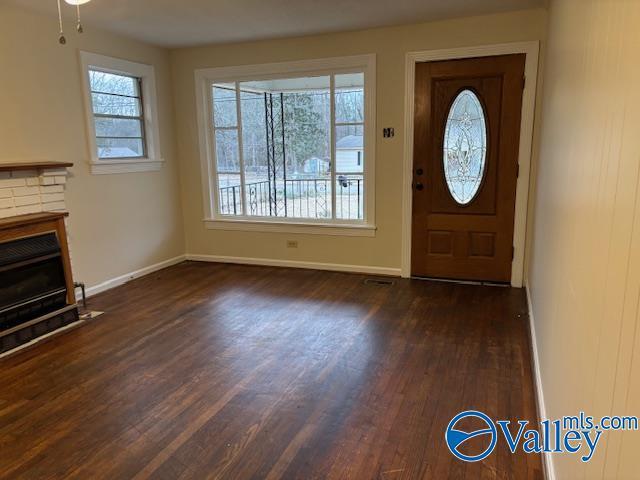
[
  {"x": 240, "y": 151},
  {"x": 118, "y": 117},
  {"x": 332, "y": 103},
  {"x": 350, "y": 124},
  {"x": 143, "y": 122}
]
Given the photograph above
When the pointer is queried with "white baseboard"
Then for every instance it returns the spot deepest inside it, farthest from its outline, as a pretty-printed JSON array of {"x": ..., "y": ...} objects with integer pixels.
[
  {"x": 547, "y": 458},
  {"x": 337, "y": 267},
  {"x": 270, "y": 262},
  {"x": 122, "y": 279}
]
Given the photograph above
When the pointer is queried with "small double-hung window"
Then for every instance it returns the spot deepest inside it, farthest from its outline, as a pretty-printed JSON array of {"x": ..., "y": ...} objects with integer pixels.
[
  {"x": 121, "y": 115},
  {"x": 118, "y": 115}
]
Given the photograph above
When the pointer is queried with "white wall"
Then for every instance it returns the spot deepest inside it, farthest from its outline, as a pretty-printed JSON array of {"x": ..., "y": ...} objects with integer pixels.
[
  {"x": 584, "y": 274},
  {"x": 118, "y": 223}
]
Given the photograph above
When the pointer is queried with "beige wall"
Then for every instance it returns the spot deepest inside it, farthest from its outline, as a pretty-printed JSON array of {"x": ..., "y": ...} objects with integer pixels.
[
  {"x": 118, "y": 223},
  {"x": 390, "y": 45},
  {"x": 138, "y": 218},
  {"x": 585, "y": 260}
]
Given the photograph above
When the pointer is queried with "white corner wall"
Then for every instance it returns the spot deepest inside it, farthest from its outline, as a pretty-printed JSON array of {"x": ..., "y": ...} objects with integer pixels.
[
  {"x": 135, "y": 218},
  {"x": 584, "y": 272}
]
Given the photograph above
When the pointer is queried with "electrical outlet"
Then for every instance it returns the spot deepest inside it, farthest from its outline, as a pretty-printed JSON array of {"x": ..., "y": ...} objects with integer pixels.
[{"x": 292, "y": 244}]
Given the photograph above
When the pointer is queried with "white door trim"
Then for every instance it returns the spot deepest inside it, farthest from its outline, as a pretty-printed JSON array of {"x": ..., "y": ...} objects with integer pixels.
[{"x": 531, "y": 49}]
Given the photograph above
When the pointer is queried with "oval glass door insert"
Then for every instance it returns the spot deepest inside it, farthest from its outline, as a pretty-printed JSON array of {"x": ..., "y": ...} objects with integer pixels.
[{"x": 465, "y": 147}]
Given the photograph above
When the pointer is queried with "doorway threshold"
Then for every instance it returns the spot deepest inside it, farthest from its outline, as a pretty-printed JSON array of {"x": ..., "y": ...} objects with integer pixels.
[{"x": 463, "y": 282}]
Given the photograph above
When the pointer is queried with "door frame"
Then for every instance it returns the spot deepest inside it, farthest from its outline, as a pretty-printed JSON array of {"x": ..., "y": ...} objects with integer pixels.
[{"x": 531, "y": 50}]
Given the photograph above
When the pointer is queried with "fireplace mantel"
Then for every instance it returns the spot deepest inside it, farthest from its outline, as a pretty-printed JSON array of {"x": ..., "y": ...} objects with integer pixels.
[
  {"x": 23, "y": 220},
  {"x": 17, "y": 166}
]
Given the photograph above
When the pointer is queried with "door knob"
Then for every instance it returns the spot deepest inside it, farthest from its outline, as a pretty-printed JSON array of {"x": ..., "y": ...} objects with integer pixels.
[
  {"x": 419, "y": 171},
  {"x": 419, "y": 186}
]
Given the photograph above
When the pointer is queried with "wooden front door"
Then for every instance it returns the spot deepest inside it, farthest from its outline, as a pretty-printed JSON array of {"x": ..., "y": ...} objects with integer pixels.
[{"x": 465, "y": 167}]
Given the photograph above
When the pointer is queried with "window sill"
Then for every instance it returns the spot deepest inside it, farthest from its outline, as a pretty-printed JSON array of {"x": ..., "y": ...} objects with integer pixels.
[
  {"x": 310, "y": 228},
  {"x": 106, "y": 167}
]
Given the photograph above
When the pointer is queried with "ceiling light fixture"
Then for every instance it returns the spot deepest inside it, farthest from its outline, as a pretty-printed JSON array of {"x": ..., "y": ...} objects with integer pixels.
[{"x": 62, "y": 39}]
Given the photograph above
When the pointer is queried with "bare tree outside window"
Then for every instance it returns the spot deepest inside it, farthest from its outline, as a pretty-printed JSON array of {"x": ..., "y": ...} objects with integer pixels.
[
  {"x": 279, "y": 145},
  {"x": 118, "y": 115}
]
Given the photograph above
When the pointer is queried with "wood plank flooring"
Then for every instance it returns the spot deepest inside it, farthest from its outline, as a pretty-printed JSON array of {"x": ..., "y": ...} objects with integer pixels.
[{"x": 208, "y": 371}]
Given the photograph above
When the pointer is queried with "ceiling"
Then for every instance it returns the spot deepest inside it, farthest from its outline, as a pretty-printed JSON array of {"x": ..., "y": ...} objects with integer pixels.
[{"x": 176, "y": 23}]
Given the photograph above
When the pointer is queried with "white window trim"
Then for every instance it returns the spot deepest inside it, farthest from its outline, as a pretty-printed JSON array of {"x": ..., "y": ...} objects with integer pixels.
[
  {"x": 153, "y": 159},
  {"x": 204, "y": 78}
]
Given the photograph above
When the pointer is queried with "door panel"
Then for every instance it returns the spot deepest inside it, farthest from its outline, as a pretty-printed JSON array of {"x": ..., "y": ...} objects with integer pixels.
[{"x": 470, "y": 240}]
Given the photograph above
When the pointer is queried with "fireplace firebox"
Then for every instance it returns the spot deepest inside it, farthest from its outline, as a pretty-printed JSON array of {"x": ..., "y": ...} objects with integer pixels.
[{"x": 36, "y": 288}]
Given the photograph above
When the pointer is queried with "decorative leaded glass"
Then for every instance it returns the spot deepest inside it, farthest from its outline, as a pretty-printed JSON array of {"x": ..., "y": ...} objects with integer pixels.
[{"x": 465, "y": 147}]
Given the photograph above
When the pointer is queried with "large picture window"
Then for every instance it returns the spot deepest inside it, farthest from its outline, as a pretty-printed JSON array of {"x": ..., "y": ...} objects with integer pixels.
[{"x": 289, "y": 147}]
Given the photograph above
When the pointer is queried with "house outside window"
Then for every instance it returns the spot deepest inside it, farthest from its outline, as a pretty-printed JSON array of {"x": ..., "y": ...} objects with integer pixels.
[
  {"x": 288, "y": 146},
  {"x": 121, "y": 112}
]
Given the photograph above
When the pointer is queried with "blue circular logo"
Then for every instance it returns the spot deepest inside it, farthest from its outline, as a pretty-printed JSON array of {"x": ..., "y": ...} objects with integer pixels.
[{"x": 456, "y": 438}]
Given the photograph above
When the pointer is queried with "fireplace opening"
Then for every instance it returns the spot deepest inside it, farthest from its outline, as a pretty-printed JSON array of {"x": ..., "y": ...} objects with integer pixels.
[{"x": 32, "y": 279}]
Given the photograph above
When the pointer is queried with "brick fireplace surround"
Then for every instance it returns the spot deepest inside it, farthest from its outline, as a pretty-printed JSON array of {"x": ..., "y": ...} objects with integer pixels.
[{"x": 32, "y": 188}]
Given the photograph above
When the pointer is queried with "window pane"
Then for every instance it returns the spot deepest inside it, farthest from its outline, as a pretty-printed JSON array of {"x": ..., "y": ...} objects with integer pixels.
[
  {"x": 229, "y": 194},
  {"x": 307, "y": 126},
  {"x": 224, "y": 106},
  {"x": 349, "y": 148},
  {"x": 286, "y": 125},
  {"x": 227, "y": 151},
  {"x": 309, "y": 197},
  {"x": 254, "y": 149},
  {"x": 465, "y": 147},
  {"x": 118, "y": 127},
  {"x": 112, "y": 83},
  {"x": 349, "y": 90},
  {"x": 114, "y": 105},
  {"x": 349, "y": 197},
  {"x": 307, "y": 129},
  {"x": 120, "y": 147}
]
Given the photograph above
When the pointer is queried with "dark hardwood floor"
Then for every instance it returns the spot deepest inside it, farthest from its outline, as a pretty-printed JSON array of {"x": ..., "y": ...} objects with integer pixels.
[{"x": 220, "y": 371}]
